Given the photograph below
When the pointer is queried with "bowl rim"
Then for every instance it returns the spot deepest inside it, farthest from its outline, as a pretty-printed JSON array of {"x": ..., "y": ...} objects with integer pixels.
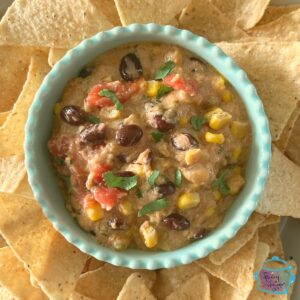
[{"x": 214, "y": 56}]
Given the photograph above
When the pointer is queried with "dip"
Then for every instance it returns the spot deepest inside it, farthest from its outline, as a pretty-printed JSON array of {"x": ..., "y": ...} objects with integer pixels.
[{"x": 150, "y": 145}]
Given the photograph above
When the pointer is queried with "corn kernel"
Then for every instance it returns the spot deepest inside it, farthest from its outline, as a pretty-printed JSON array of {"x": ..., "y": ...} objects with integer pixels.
[
  {"x": 125, "y": 207},
  {"x": 217, "y": 195},
  {"x": 236, "y": 152},
  {"x": 239, "y": 129},
  {"x": 235, "y": 183},
  {"x": 110, "y": 113},
  {"x": 215, "y": 138},
  {"x": 219, "y": 120},
  {"x": 94, "y": 212},
  {"x": 149, "y": 234},
  {"x": 211, "y": 112},
  {"x": 219, "y": 83},
  {"x": 227, "y": 96},
  {"x": 210, "y": 211},
  {"x": 192, "y": 156},
  {"x": 183, "y": 121},
  {"x": 107, "y": 79},
  {"x": 57, "y": 109},
  {"x": 152, "y": 88},
  {"x": 188, "y": 200}
]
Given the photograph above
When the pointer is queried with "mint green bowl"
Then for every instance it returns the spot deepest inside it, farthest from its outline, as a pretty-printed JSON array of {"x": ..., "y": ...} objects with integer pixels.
[{"x": 41, "y": 173}]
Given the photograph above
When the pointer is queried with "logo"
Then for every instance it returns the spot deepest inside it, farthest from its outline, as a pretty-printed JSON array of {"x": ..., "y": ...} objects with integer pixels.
[{"x": 274, "y": 277}]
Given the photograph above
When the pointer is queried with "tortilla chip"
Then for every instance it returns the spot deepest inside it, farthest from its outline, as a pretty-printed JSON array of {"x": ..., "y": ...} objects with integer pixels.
[
  {"x": 135, "y": 288},
  {"x": 262, "y": 253},
  {"x": 285, "y": 28},
  {"x": 2, "y": 242},
  {"x": 76, "y": 296},
  {"x": 60, "y": 23},
  {"x": 109, "y": 9},
  {"x": 244, "y": 235},
  {"x": 3, "y": 117},
  {"x": 5, "y": 294},
  {"x": 274, "y": 12},
  {"x": 55, "y": 55},
  {"x": 14, "y": 62},
  {"x": 269, "y": 220},
  {"x": 168, "y": 280},
  {"x": 12, "y": 171},
  {"x": 244, "y": 14},
  {"x": 196, "y": 288},
  {"x": 146, "y": 11},
  {"x": 51, "y": 260},
  {"x": 293, "y": 143},
  {"x": 204, "y": 19},
  {"x": 24, "y": 189},
  {"x": 92, "y": 264},
  {"x": 281, "y": 194},
  {"x": 270, "y": 235},
  {"x": 107, "y": 281},
  {"x": 15, "y": 277},
  {"x": 270, "y": 69},
  {"x": 236, "y": 271},
  {"x": 12, "y": 144}
]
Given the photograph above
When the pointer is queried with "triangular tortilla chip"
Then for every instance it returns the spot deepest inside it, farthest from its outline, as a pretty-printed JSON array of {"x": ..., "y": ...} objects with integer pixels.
[
  {"x": 12, "y": 144},
  {"x": 146, "y": 11},
  {"x": 108, "y": 8},
  {"x": 274, "y": 12},
  {"x": 135, "y": 288},
  {"x": 204, "y": 19},
  {"x": 243, "y": 13},
  {"x": 15, "y": 277},
  {"x": 285, "y": 28},
  {"x": 270, "y": 235},
  {"x": 281, "y": 194},
  {"x": 270, "y": 69},
  {"x": 76, "y": 296},
  {"x": 55, "y": 55},
  {"x": 12, "y": 171},
  {"x": 14, "y": 62},
  {"x": 196, "y": 288},
  {"x": 51, "y": 260},
  {"x": 238, "y": 269},
  {"x": 92, "y": 264},
  {"x": 57, "y": 23},
  {"x": 269, "y": 220},
  {"x": 262, "y": 253},
  {"x": 5, "y": 294},
  {"x": 3, "y": 117},
  {"x": 168, "y": 280},
  {"x": 244, "y": 235},
  {"x": 24, "y": 188},
  {"x": 2, "y": 242},
  {"x": 107, "y": 281}
]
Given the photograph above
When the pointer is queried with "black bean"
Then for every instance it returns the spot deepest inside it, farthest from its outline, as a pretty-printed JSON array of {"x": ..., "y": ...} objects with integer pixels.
[
  {"x": 183, "y": 141},
  {"x": 125, "y": 174},
  {"x": 128, "y": 135},
  {"x": 115, "y": 223},
  {"x": 73, "y": 115},
  {"x": 166, "y": 189},
  {"x": 130, "y": 67},
  {"x": 85, "y": 72},
  {"x": 93, "y": 134},
  {"x": 162, "y": 125},
  {"x": 176, "y": 221}
]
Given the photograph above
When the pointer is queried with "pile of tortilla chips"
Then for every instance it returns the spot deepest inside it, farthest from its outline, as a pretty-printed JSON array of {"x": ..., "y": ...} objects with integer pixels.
[{"x": 36, "y": 262}]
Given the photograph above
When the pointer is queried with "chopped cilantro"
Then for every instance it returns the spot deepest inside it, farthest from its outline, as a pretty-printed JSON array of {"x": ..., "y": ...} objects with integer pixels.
[
  {"x": 163, "y": 90},
  {"x": 153, "y": 206},
  {"x": 197, "y": 122},
  {"x": 220, "y": 183},
  {"x": 178, "y": 177},
  {"x": 152, "y": 178},
  {"x": 157, "y": 135},
  {"x": 92, "y": 119},
  {"x": 164, "y": 70},
  {"x": 125, "y": 183},
  {"x": 112, "y": 96}
]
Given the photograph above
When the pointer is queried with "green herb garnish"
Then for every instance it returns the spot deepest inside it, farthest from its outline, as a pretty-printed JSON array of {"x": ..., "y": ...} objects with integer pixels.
[
  {"x": 178, "y": 178},
  {"x": 139, "y": 193},
  {"x": 153, "y": 206},
  {"x": 197, "y": 122},
  {"x": 164, "y": 70},
  {"x": 219, "y": 182},
  {"x": 125, "y": 183},
  {"x": 92, "y": 119},
  {"x": 157, "y": 135},
  {"x": 163, "y": 90},
  {"x": 152, "y": 178},
  {"x": 112, "y": 96}
]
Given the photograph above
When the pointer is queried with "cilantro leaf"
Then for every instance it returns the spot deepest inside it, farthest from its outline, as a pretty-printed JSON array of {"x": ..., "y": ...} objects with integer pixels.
[
  {"x": 178, "y": 178},
  {"x": 164, "y": 70},
  {"x": 163, "y": 90},
  {"x": 153, "y": 206},
  {"x": 197, "y": 122},
  {"x": 112, "y": 96},
  {"x": 157, "y": 135},
  {"x": 220, "y": 183},
  {"x": 152, "y": 178},
  {"x": 92, "y": 119},
  {"x": 125, "y": 183}
]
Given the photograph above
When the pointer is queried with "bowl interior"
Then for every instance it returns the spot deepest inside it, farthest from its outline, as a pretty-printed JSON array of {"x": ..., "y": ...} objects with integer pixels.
[{"x": 39, "y": 128}]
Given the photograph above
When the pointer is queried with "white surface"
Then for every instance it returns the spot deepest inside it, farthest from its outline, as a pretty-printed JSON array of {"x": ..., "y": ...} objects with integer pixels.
[{"x": 290, "y": 228}]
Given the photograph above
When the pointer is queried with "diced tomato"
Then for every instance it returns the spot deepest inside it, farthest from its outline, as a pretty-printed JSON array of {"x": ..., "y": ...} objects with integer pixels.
[
  {"x": 98, "y": 172},
  {"x": 178, "y": 83},
  {"x": 122, "y": 90},
  {"x": 107, "y": 197}
]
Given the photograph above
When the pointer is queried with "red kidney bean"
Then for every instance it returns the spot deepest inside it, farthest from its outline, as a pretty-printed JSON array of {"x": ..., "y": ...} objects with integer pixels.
[
  {"x": 93, "y": 134},
  {"x": 166, "y": 189},
  {"x": 73, "y": 115},
  {"x": 176, "y": 221},
  {"x": 128, "y": 135},
  {"x": 162, "y": 125}
]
